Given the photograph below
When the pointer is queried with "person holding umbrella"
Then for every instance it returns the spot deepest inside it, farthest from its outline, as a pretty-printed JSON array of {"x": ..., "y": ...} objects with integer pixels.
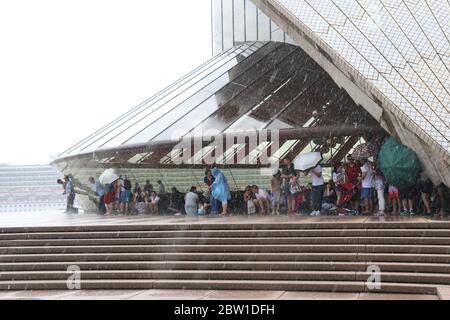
[
  {"x": 109, "y": 178},
  {"x": 309, "y": 163},
  {"x": 401, "y": 168}
]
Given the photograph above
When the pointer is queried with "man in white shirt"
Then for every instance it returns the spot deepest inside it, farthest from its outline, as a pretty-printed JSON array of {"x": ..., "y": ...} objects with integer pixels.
[
  {"x": 367, "y": 186},
  {"x": 262, "y": 199},
  {"x": 318, "y": 188}
]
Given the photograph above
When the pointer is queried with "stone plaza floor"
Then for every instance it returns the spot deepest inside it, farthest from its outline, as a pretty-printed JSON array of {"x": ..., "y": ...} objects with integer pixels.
[
  {"x": 201, "y": 295},
  {"x": 55, "y": 218}
]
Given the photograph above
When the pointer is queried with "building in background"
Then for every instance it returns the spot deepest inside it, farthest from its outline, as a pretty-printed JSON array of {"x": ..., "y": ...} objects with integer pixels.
[
  {"x": 301, "y": 76},
  {"x": 30, "y": 188}
]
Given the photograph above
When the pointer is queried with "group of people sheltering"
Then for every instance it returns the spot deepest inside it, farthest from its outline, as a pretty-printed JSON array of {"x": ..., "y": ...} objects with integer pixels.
[
  {"x": 288, "y": 192},
  {"x": 393, "y": 182},
  {"x": 120, "y": 196},
  {"x": 357, "y": 187}
]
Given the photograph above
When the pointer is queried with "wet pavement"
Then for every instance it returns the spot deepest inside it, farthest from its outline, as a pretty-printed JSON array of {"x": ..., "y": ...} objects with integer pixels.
[
  {"x": 202, "y": 295},
  {"x": 38, "y": 219}
]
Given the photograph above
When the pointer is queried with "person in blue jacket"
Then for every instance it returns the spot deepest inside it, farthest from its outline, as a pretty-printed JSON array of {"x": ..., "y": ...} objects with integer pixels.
[{"x": 220, "y": 189}]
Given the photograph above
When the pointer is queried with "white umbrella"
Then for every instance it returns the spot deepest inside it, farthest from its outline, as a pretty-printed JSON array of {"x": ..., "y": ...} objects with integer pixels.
[
  {"x": 109, "y": 176},
  {"x": 307, "y": 161}
]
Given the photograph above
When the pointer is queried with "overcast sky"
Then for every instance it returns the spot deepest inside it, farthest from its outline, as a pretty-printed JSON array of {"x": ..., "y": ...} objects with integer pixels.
[{"x": 68, "y": 67}]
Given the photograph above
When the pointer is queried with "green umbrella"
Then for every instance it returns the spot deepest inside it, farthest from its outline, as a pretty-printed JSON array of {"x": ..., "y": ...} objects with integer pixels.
[{"x": 399, "y": 164}]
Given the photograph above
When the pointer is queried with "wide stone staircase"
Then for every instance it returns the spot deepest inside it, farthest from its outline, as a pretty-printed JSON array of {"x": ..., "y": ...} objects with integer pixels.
[{"x": 332, "y": 256}]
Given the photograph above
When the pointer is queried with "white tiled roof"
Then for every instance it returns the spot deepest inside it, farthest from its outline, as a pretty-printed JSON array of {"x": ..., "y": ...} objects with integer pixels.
[{"x": 401, "y": 50}]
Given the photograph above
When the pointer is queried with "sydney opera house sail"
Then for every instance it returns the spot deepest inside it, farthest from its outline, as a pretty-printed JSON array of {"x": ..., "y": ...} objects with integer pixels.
[
  {"x": 392, "y": 57},
  {"x": 303, "y": 75}
]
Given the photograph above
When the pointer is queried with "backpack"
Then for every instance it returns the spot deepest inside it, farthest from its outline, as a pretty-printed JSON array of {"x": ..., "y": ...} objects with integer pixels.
[{"x": 127, "y": 184}]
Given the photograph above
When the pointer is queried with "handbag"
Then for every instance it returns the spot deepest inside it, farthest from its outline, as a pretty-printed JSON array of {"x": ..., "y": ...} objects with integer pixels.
[{"x": 294, "y": 187}]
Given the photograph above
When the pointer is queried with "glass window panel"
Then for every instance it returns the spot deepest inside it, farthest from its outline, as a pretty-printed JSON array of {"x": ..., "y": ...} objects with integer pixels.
[
  {"x": 259, "y": 89},
  {"x": 263, "y": 27},
  {"x": 282, "y": 152},
  {"x": 217, "y": 26},
  {"x": 239, "y": 21},
  {"x": 251, "y": 21},
  {"x": 259, "y": 117},
  {"x": 228, "y": 155},
  {"x": 311, "y": 101},
  {"x": 277, "y": 33},
  {"x": 266, "y": 64},
  {"x": 228, "y": 24},
  {"x": 197, "y": 158},
  {"x": 256, "y": 153}
]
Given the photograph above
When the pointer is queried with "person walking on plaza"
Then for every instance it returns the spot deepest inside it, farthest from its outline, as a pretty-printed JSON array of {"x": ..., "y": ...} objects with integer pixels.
[
  {"x": 276, "y": 191},
  {"x": 70, "y": 193},
  {"x": 191, "y": 202},
  {"x": 367, "y": 186},
  {"x": 100, "y": 190},
  {"x": 220, "y": 189},
  {"x": 317, "y": 191}
]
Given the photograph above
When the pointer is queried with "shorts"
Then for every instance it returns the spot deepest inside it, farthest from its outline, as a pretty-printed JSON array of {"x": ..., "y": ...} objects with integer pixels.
[
  {"x": 394, "y": 195},
  {"x": 125, "y": 196},
  {"x": 277, "y": 197},
  {"x": 366, "y": 193},
  {"x": 426, "y": 187},
  {"x": 109, "y": 197},
  {"x": 191, "y": 210},
  {"x": 408, "y": 193}
]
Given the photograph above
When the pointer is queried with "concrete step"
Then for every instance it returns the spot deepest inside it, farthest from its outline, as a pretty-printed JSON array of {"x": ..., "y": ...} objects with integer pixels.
[
  {"x": 237, "y": 256},
  {"x": 229, "y": 265},
  {"x": 175, "y": 256},
  {"x": 254, "y": 248},
  {"x": 327, "y": 286},
  {"x": 413, "y": 257},
  {"x": 390, "y": 277},
  {"x": 231, "y": 233},
  {"x": 197, "y": 265},
  {"x": 212, "y": 225},
  {"x": 215, "y": 241}
]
